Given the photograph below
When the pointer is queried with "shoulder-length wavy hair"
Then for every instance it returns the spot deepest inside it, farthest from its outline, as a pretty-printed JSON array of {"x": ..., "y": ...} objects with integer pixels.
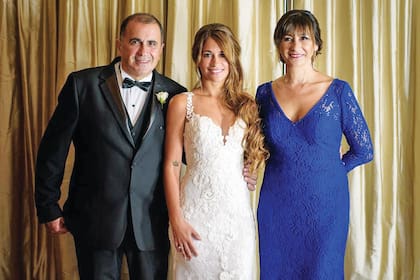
[{"x": 241, "y": 103}]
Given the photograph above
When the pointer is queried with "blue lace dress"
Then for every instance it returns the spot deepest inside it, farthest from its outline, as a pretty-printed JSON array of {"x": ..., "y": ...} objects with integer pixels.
[{"x": 303, "y": 211}]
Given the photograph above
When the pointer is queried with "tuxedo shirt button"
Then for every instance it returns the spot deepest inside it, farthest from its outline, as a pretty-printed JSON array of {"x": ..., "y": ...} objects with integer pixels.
[{"x": 161, "y": 127}]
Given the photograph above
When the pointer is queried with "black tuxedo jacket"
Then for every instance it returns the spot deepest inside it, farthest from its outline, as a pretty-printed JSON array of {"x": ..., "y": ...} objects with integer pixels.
[{"x": 110, "y": 174}]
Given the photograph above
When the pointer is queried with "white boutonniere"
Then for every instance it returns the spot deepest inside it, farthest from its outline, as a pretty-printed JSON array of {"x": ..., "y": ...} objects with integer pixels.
[{"x": 162, "y": 97}]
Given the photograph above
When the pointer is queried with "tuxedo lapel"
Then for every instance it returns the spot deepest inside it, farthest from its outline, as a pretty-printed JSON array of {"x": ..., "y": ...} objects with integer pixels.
[
  {"x": 156, "y": 106},
  {"x": 111, "y": 92},
  {"x": 154, "y": 110},
  {"x": 158, "y": 84}
]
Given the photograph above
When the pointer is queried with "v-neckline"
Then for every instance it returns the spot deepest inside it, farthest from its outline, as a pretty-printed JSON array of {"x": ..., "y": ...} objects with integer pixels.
[
  {"x": 222, "y": 133},
  {"x": 273, "y": 96}
]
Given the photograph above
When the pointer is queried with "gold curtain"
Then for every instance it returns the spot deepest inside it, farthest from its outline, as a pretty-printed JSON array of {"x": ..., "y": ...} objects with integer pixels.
[{"x": 371, "y": 44}]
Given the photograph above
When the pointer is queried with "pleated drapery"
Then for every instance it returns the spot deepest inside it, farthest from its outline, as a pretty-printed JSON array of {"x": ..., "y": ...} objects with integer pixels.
[{"x": 371, "y": 44}]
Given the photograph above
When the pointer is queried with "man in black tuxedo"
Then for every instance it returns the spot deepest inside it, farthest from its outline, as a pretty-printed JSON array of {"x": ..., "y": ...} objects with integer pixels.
[{"x": 115, "y": 117}]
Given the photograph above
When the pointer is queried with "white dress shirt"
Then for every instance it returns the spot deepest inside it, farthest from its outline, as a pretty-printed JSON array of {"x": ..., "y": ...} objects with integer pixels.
[{"x": 134, "y": 97}]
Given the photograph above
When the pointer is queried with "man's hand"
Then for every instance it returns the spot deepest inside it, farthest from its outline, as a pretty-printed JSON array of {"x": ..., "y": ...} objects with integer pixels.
[
  {"x": 57, "y": 226},
  {"x": 250, "y": 179}
]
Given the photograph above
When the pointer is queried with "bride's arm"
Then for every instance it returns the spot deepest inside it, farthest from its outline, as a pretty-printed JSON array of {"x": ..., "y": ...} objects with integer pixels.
[{"x": 182, "y": 231}]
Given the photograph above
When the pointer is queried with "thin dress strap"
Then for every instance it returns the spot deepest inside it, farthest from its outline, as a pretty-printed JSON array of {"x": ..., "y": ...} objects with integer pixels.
[{"x": 190, "y": 107}]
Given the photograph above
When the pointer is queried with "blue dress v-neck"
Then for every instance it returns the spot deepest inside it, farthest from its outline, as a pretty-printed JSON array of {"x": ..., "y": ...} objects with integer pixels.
[{"x": 303, "y": 211}]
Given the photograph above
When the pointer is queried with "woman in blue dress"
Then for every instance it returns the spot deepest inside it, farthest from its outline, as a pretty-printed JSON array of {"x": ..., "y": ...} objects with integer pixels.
[{"x": 303, "y": 211}]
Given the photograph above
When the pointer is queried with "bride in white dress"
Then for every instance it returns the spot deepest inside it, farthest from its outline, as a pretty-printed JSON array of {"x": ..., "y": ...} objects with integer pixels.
[{"x": 212, "y": 225}]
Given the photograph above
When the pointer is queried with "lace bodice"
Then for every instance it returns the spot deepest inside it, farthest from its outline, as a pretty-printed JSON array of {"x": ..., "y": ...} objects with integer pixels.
[
  {"x": 205, "y": 145},
  {"x": 318, "y": 134}
]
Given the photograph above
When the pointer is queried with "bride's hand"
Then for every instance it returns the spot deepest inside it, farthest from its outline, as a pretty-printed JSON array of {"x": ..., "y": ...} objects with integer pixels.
[{"x": 184, "y": 234}]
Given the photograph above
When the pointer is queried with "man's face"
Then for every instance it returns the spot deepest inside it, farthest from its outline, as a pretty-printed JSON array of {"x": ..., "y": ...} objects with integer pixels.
[{"x": 140, "y": 48}]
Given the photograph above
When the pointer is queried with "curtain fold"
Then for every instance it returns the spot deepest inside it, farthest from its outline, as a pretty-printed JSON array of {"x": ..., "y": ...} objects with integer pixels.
[
  {"x": 412, "y": 232},
  {"x": 371, "y": 44}
]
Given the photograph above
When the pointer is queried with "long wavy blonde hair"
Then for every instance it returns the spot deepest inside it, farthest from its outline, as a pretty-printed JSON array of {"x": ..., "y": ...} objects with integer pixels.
[{"x": 235, "y": 99}]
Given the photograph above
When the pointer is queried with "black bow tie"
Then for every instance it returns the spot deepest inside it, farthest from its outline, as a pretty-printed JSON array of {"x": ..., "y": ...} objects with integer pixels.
[{"x": 129, "y": 83}]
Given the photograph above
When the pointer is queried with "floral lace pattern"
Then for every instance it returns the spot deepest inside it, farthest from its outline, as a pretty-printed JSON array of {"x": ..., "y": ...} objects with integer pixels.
[
  {"x": 303, "y": 211},
  {"x": 216, "y": 202}
]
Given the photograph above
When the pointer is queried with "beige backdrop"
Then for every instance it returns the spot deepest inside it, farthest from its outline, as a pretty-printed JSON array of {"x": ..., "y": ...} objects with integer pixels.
[{"x": 371, "y": 44}]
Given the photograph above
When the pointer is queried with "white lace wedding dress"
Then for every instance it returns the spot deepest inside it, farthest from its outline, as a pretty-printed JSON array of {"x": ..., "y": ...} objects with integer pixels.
[{"x": 216, "y": 202}]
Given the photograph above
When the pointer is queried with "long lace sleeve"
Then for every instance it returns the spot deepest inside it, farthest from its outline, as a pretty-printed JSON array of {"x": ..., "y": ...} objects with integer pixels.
[{"x": 355, "y": 130}]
